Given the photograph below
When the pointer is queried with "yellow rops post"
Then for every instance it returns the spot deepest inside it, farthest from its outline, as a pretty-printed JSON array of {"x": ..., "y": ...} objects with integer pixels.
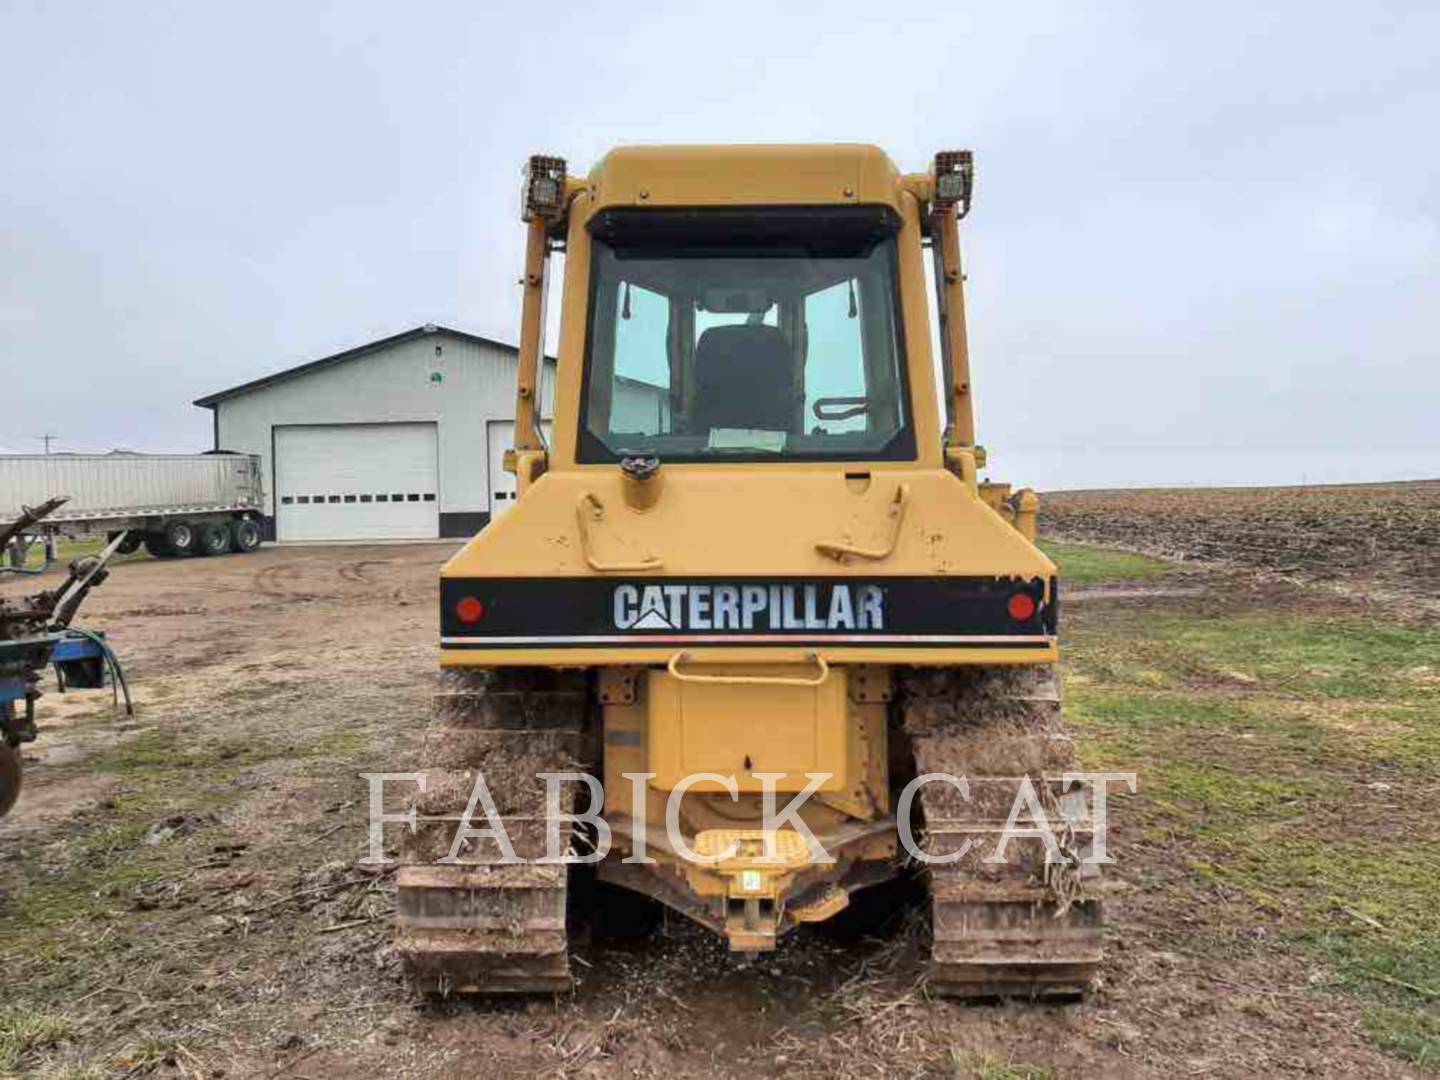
[{"x": 754, "y": 571}]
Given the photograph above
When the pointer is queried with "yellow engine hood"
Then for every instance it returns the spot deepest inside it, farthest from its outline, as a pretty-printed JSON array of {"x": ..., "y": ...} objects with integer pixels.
[
  {"x": 751, "y": 521},
  {"x": 753, "y": 562}
]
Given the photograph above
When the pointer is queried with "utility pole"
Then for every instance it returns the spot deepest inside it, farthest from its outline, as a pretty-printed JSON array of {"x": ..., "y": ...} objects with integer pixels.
[{"x": 47, "y": 439}]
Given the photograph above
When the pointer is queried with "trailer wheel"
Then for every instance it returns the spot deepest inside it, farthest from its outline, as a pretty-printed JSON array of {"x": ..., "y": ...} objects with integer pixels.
[
  {"x": 212, "y": 538},
  {"x": 244, "y": 535},
  {"x": 9, "y": 776},
  {"x": 180, "y": 538},
  {"x": 130, "y": 544},
  {"x": 155, "y": 544}
]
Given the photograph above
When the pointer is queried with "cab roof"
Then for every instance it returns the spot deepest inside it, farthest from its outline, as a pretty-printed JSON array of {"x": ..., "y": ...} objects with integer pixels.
[{"x": 761, "y": 175}]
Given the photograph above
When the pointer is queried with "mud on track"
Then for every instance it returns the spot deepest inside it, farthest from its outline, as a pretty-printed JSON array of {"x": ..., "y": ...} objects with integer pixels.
[{"x": 181, "y": 891}]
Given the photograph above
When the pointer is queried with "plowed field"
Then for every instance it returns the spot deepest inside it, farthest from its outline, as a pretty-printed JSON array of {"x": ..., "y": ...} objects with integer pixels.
[{"x": 1386, "y": 534}]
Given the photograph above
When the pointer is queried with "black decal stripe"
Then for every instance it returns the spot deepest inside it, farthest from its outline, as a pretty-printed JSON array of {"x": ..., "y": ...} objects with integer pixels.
[
  {"x": 650, "y": 642},
  {"x": 520, "y": 611}
]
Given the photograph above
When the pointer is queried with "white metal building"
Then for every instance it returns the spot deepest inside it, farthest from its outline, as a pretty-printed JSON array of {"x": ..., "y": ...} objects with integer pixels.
[{"x": 398, "y": 439}]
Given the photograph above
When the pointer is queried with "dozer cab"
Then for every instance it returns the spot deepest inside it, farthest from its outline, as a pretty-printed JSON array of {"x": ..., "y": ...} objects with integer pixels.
[{"x": 753, "y": 589}]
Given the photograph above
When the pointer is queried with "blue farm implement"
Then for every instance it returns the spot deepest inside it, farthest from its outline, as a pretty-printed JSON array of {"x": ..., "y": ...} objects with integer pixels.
[{"x": 36, "y": 633}]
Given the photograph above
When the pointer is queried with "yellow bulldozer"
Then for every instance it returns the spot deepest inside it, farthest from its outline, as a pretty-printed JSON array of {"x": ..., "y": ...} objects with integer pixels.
[{"x": 753, "y": 590}]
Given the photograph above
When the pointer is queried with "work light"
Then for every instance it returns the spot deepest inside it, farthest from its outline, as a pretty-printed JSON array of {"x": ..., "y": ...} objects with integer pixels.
[
  {"x": 543, "y": 192},
  {"x": 954, "y": 179}
]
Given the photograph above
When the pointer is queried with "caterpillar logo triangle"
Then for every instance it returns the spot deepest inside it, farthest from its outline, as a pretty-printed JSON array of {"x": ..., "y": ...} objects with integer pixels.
[{"x": 652, "y": 613}]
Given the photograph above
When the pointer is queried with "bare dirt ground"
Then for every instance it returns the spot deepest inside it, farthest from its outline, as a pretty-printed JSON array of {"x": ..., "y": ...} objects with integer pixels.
[
  {"x": 1367, "y": 533},
  {"x": 180, "y": 893}
]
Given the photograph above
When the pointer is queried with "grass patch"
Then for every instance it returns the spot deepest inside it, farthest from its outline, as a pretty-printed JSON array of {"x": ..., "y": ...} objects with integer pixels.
[
  {"x": 1315, "y": 691},
  {"x": 24, "y": 1032},
  {"x": 1404, "y": 1014},
  {"x": 67, "y": 550},
  {"x": 164, "y": 761},
  {"x": 91, "y": 873},
  {"x": 1184, "y": 741},
  {"x": 149, "y": 1054},
  {"x": 1256, "y": 736},
  {"x": 994, "y": 1067},
  {"x": 1084, "y": 565},
  {"x": 103, "y": 856},
  {"x": 1227, "y": 791},
  {"x": 1406, "y": 1033},
  {"x": 1333, "y": 659},
  {"x": 1155, "y": 710},
  {"x": 163, "y": 756},
  {"x": 99, "y": 864},
  {"x": 1288, "y": 652},
  {"x": 346, "y": 743}
]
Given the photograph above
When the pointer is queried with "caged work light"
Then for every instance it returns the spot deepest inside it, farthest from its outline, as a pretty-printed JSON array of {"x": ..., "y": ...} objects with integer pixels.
[
  {"x": 542, "y": 195},
  {"x": 954, "y": 179}
]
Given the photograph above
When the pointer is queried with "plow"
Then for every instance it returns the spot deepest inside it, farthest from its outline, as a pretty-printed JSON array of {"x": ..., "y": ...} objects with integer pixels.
[{"x": 37, "y": 631}]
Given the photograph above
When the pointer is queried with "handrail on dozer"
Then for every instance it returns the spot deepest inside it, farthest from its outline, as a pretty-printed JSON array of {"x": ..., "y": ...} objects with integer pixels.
[
  {"x": 822, "y": 669},
  {"x": 839, "y": 550}
]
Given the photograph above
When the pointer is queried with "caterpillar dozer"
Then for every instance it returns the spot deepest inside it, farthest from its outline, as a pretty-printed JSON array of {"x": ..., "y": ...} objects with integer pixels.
[{"x": 752, "y": 567}]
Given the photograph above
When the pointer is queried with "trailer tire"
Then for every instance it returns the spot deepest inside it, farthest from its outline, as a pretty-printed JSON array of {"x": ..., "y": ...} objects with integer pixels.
[
  {"x": 180, "y": 538},
  {"x": 244, "y": 535},
  {"x": 212, "y": 538},
  {"x": 155, "y": 544},
  {"x": 10, "y": 776},
  {"x": 130, "y": 544}
]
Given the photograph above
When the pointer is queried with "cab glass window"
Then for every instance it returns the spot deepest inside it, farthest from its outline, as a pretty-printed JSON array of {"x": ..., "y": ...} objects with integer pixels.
[{"x": 747, "y": 343}]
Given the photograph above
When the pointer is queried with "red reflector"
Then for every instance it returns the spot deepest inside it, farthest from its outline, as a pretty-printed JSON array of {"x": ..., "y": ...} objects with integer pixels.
[
  {"x": 1022, "y": 607},
  {"x": 469, "y": 609}
]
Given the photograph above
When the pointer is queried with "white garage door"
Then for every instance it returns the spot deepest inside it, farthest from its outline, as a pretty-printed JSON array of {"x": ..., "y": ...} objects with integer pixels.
[
  {"x": 357, "y": 482},
  {"x": 500, "y": 436}
]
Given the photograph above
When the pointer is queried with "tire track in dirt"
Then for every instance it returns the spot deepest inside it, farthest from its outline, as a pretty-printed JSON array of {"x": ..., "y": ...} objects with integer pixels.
[
  {"x": 315, "y": 581},
  {"x": 273, "y": 582}
]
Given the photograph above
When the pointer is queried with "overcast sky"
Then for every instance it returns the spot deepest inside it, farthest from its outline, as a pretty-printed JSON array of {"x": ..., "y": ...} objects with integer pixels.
[{"x": 1196, "y": 226}]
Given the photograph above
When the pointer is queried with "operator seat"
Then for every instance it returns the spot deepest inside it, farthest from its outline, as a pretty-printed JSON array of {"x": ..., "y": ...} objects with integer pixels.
[{"x": 744, "y": 379}]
